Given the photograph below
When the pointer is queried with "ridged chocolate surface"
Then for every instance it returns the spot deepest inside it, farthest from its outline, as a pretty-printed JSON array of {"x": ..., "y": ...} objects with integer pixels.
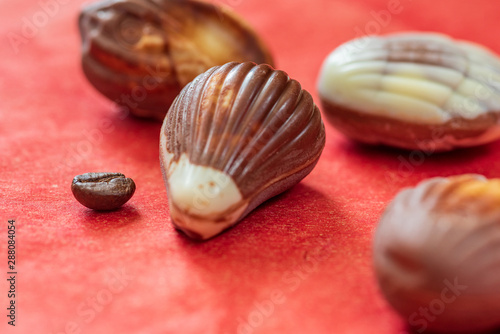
[
  {"x": 423, "y": 78},
  {"x": 251, "y": 122},
  {"x": 157, "y": 46},
  {"x": 445, "y": 232}
]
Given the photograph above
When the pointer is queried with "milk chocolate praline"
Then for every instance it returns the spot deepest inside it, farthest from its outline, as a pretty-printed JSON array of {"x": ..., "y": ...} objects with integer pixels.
[
  {"x": 421, "y": 91},
  {"x": 437, "y": 255},
  {"x": 140, "y": 53},
  {"x": 236, "y": 136}
]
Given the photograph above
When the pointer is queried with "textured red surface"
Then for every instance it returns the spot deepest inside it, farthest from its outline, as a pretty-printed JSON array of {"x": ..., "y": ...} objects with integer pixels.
[{"x": 301, "y": 263}]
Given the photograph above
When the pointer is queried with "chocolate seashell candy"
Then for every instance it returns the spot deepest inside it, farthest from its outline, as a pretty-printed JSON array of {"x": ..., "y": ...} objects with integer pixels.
[
  {"x": 236, "y": 136},
  {"x": 140, "y": 53},
  {"x": 421, "y": 91},
  {"x": 437, "y": 254}
]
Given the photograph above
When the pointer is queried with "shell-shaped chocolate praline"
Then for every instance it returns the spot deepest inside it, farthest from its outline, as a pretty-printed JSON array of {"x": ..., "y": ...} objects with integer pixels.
[
  {"x": 140, "y": 53},
  {"x": 437, "y": 254},
  {"x": 236, "y": 136},
  {"x": 413, "y": 90}
]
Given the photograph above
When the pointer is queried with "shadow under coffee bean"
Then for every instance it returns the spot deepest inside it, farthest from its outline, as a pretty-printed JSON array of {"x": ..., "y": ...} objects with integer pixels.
[{"x": 102, "y": 191}]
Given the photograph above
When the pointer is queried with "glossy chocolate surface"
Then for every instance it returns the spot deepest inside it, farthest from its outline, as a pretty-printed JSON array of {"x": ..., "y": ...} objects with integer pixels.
[
  {"x": 379, "y": 130},
  {"x": 437, "y": 254},
  {"x": 417, "y": 80},
  {"x": 248, "y": 122},
  {"x": 140, "y": 53},
  {"x": 251, "y": 122}
]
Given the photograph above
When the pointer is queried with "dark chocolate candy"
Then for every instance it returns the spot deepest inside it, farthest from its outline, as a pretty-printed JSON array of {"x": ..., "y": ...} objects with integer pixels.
[{"x": 140, "y": 53}]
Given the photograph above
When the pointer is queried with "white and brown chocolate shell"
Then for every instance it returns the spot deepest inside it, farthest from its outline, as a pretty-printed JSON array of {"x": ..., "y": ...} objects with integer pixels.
[
  {"x": 413, "y": 90},
  {"x": 437, "y": 248},
  {"x": 236, "y": 136}
]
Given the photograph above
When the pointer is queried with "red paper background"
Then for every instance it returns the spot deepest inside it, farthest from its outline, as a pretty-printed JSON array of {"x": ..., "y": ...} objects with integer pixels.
[{"x": 300, "y": 263}]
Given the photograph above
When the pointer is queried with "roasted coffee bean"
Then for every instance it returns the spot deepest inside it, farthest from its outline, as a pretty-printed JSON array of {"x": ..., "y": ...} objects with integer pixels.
[{"x": 102, "y": 191}]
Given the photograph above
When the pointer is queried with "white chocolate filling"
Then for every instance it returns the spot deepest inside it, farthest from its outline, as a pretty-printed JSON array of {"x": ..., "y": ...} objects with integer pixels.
[
  {"x": 363, "y": 75},
  {"x": 201, "y": 190},
  {"x": 202, "y": 199}
]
